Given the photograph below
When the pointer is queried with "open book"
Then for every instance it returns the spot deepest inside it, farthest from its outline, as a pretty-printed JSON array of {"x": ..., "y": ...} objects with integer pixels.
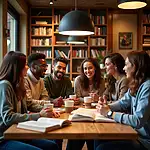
[
  {"x": 83, "y": 114},
  {"x": 44, "y": 124}
]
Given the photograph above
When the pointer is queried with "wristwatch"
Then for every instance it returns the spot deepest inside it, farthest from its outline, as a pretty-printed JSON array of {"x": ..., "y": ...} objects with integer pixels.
[{"x": 109, "y": 114}]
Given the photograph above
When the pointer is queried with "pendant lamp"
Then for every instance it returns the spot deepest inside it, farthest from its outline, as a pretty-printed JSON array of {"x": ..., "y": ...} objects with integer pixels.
[
  {"x": 131, "y": 4},
  {"x": 76, "y": 23},
  {"x": 76, "y": 40}
]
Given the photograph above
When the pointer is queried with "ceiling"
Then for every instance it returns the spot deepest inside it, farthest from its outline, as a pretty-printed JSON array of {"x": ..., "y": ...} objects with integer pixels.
[{"x": 80, "y": 3}]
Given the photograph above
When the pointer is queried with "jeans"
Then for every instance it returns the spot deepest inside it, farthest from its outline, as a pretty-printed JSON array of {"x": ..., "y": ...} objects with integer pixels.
[
  {"x": 28, "y": 145},
  {"x": 78, "y": 144},
  {"x": 118, "y": 145},
  {"x": 59, "y": 143}
]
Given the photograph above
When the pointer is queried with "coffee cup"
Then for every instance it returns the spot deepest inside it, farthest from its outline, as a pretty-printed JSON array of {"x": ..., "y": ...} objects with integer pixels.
[
  {"x": 49, "y": 106},
  {"x": 72, "y": 96},
  {"x": 69, "y": 106},
  {"x": 87, "y": 101}
]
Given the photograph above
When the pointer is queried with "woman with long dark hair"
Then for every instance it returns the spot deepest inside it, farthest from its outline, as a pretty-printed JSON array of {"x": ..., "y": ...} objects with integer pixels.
[
  {"x": 90, "y": 80},
  {"x": 117, "y": 84},
  {"x": 137, "y": 98},
  {"x": 13, "y": 108}
]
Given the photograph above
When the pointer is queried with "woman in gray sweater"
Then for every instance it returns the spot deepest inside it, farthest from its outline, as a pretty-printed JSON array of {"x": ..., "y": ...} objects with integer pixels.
[
  {"x": 117, "y": 84},
  {"x": 13, "y": 108},
  {"x": 90, "y": 80}
]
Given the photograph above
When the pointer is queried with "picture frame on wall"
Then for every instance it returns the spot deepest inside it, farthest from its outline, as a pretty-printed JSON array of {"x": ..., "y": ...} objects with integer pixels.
[{"x": 125, "y": 40}]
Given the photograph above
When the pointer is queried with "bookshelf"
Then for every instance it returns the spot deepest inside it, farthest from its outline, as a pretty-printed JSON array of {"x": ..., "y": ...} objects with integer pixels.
[
  {"x": 44, "y": 37},
  {"x": 146, "y": 30}
]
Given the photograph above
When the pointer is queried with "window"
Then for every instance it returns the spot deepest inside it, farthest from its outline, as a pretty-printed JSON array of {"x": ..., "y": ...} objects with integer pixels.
[{"x": 12, "y": 29}]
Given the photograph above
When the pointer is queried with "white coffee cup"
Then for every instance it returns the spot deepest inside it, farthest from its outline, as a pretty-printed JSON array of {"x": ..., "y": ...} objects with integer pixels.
[
  {"x": 49, "y": 106},
  {"x": 72, "y": 96},
  {"x": 69, "y": 106},
  {"x": 87, "y": 101}
]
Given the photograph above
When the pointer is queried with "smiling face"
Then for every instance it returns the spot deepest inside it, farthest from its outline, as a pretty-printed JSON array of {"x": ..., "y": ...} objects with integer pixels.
[
  {"x": 89, "y": 70},
  {"x": 42, "y": 67},
  {"x": 128, "y": 68},
  {"x": 59, "y": 70},
  {"x": 110, "y": 67}
]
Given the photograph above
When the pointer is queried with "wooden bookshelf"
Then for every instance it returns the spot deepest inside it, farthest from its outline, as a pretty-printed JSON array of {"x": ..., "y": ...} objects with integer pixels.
[
  {"x": 146, "y": 30},
  {"x": 44, "y": 37}
]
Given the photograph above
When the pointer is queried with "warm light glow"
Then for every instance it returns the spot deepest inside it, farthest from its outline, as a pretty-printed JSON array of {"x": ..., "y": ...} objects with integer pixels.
[
  {"x": 76, "y": 33},
  {"x": 51, "y": 2},
  {"x": 132, "y": 5},
  {"x": 75, "y": 42}
]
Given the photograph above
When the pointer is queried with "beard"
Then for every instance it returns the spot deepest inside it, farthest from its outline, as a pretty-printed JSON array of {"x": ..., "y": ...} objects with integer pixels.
[{"x": 59, "y": 74}]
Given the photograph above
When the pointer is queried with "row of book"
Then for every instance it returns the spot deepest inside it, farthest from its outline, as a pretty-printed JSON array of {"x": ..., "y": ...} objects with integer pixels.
[
  {"x": 47, "y": 53},
  {"x": 96, "y": 53},
  {"x": 146, "y": 18},
  {"x": 79, "y": 53},
  {"x": 100, "y": 30},
  {"x": 98, "y": 19},
  {"x": 98, "y": 42},
  {"x": 41, "y": 31},
  {"x": 59, "y": 53},
  {"x": 57, "y": 18},
  {"x": 41, "y": 42}
]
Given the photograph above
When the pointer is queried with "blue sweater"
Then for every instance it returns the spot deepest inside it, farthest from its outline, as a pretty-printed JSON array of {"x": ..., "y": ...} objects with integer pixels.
[
  {"x": 11, "y": 111},
  {"x": 139, "y": 118}
]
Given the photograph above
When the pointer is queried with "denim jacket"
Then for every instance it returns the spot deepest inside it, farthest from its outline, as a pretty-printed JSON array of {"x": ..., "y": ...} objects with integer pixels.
[{"x": 139, "y": 118}]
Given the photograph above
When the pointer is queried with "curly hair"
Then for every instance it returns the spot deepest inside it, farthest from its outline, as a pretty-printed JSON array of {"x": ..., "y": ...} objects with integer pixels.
[
  {"x": 97, "y": 75},
  {"x": 140, "y": 60},
  {"x": 118, "y": 60},
  {"x": 34, "y": 57},
  {"x": 61, "y": 59}
]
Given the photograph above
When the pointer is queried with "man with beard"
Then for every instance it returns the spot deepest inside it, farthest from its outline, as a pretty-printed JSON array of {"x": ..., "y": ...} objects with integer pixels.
[
  {"x": 57, "y": 84},
  {"x": 34, "y": 84}
]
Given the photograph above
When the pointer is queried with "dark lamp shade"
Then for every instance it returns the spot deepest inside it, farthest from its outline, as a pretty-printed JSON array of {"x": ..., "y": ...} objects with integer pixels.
[
  {"x": 76, "y": 40},
  {"x": 76, "y": 23},
  {"x": 131, "y": 4}
]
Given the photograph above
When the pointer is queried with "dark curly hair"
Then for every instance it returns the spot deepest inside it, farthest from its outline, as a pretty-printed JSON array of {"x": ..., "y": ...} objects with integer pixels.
[
  {"x": 141, "y": 61},
  {"x": 61, "y": 59},
  {"x": 97, "y": 75},
  {"x": 34, "y": 57}
]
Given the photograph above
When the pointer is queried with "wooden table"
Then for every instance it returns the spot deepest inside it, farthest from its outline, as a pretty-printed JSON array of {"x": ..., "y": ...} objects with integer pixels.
[{"x": 78, "y": 130}]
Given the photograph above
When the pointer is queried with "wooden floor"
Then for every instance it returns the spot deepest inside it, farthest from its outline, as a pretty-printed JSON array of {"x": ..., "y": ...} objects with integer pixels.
[{"x": 65, "y": 143}]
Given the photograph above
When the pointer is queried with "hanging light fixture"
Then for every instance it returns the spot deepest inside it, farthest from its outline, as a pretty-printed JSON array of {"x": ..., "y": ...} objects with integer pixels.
[
  {"x": 76, "y": 40},
  {"x": 76, "y": 23},
  {"x": 51, "y": 2},
  {"x": 131, "y": 4}
]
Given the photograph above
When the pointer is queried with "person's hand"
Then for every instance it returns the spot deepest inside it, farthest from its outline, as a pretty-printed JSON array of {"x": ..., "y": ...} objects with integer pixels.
[
  {"x": 102, "y": 106},
  {"x": 56, "y": 114},
  {"x": 58, "y": 102},
  {"x": 46, "y": 112}
]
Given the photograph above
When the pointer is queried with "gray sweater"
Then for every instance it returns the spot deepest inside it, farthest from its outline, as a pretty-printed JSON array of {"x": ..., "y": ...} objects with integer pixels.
[
  {"x": 81, "y": 93},
  {"x": 12, "y": 111}
]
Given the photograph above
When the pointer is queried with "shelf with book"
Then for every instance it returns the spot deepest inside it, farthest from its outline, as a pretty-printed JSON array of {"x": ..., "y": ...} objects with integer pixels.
[
  {"x": 99, "y": 39},
  {"x": 44, "y": 36},
  {"x": 146, "y": 30}
]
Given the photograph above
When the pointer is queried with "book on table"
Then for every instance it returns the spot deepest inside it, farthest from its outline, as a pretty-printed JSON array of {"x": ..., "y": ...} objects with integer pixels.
[
  {"x": 83, "y": 114},
  {"x": 44, "y": 124}
]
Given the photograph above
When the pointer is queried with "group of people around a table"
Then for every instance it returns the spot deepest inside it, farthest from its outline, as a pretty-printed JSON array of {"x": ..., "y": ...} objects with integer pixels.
[{"x": 25, "y": 87}]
